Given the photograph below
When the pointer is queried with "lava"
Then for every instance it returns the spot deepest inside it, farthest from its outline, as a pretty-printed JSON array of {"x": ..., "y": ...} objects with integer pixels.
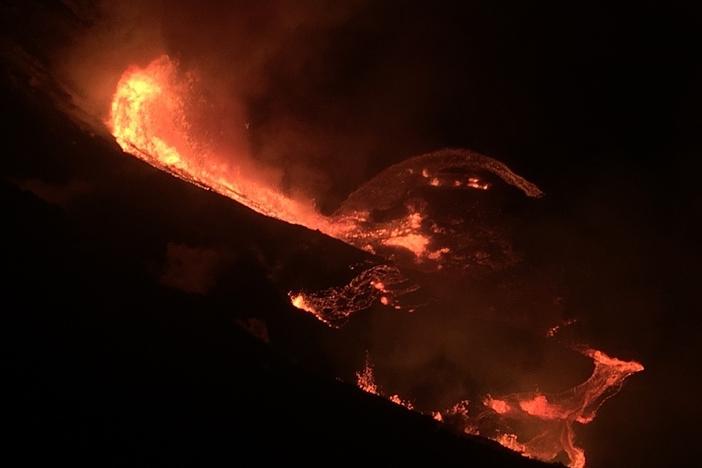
[
  {"x": 550, "y": 416},
  {"x": 150, "y": 118},
  {"x": 333, "y": 306},
  {"x": 365, "y": 380},
  {"x": 300, "y": 301}
]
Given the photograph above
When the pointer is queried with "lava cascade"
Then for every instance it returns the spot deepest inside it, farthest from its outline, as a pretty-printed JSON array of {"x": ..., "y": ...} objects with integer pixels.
[
  {"x": 149, "y": 119},
  {"x": 382, "y": 284},
  {"x": 546, "y": 420}
]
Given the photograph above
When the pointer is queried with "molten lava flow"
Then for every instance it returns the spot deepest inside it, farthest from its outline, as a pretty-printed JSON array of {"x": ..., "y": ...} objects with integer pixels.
[
  {"x": 551, "y": 332},
  {"x": 300, "y": 301},
  {"x": 552, "y": 416},
  {"x": 548, "y": 419},
  {"x": 435, "y": 242},
  {"x": 365, "y": 380},
  {"x": 389, "y": 216},
  {"x": 149, "y": 120},
  {"x": 334, "y": 306}
]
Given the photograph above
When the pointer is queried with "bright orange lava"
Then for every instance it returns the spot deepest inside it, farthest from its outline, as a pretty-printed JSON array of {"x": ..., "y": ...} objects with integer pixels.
[
  {"x": 149, "y": 119},
  {"x": 498, "y": 406},
  {"x": 365, "y": 380},
  {"x": 299, "y": 301},
  {"x": 550, "y": 417}
]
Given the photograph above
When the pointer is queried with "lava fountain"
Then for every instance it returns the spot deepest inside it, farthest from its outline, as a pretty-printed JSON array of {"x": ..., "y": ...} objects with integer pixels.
[{"x": 150, "y": 119}]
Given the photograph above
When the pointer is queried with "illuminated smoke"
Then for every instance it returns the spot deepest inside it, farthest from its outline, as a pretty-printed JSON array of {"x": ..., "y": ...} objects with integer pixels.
[
  {"x": 382, "y": 284},
  {"x": 545, "y": 420},
  {"x": 150, "y": 119},
  {"x": 365, "y": 380}
]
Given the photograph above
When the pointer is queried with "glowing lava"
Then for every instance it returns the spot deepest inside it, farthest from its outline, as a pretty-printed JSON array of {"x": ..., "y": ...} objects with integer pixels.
[
  {"x": 334, "y": 306},
  {"x": 365, "y": 380},
  {"x": 150, "y": 118},
  {"x": 551, "y": 416},
  {"x": 546, "y": 420}
]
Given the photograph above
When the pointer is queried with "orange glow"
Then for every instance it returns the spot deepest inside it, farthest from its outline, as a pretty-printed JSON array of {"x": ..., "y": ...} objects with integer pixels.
[
  {"x": 415, "y": 243},
  {"x": 435, "y": 255},
  {"x": 365, "y": 380},
  {"x": 299, "y": 301},
  {"x": 149, "y": 119},
  {"x": 498, "y": 406},
  {"x": 556, "y": 328},
  {"x": 399, "y": 401},
  {"x": 474, "y": 182},
  {"x": 510, "y": 441},
  {"x": 333, "y": 306},
  {"x": 550, "y": 417},
  {"x": 540, "y": 407},
  {"x": 553, "y": 415}
]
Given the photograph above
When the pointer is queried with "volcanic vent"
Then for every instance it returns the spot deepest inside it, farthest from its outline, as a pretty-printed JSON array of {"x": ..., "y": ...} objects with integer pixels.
[{"x": 397, "y": 218}]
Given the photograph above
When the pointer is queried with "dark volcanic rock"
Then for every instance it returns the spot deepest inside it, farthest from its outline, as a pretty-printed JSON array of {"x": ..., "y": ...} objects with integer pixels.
[{"x": 108, "y": 364}]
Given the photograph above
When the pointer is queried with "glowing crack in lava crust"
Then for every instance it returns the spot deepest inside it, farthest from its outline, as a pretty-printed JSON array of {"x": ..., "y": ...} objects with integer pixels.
[
  {"x": 150, "y": 119},
  {"x": 550, "y": 417}
]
